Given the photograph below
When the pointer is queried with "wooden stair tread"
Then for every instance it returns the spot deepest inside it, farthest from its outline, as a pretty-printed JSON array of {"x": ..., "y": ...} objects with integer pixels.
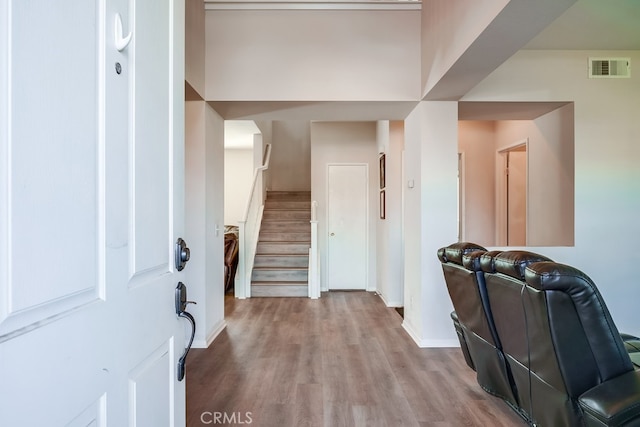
[
  {"x": 280, "y": 283},
  {"x": 281, "y": 255},
  {"x": 281, "y": 259}
]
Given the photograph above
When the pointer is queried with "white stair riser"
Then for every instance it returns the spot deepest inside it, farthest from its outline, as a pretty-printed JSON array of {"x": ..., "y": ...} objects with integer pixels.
[
  {"x": 286, "y": 204},
  {"x": 289, "y": 195},
  {"x": 300, "y": 236},
  {"x": 282, "y": 248},
  {"x": 285, "y": 226},
  {"x": 302, "y": 215},
  {"x": 279, "y": 275},
  {"x": 279, "y": 290},
  {"x": 281, "y": 261}
]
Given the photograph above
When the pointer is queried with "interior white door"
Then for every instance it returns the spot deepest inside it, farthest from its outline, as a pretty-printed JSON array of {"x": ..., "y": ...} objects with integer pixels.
[
  {"x": 91, "y": 175},
  {"x": 347, "y": 226}
]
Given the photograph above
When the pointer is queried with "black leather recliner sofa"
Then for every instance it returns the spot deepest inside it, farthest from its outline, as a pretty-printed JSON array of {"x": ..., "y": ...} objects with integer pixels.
[
  {"x": 569, "y": 364},
  {"x": 473, "y": 321}
]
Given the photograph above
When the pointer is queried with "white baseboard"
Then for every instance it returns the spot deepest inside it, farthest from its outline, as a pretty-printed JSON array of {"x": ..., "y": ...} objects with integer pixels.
[
  {"x": 393, "y": 304},
  {"x": 200, "y": 343},
  {"x": 429, "y": 343}
]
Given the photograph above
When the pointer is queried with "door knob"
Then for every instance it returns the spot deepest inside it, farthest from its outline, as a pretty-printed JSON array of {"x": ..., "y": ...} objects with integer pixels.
[
  {"x": 332, "y": 234},
  {"x": 182, "y": 254}
]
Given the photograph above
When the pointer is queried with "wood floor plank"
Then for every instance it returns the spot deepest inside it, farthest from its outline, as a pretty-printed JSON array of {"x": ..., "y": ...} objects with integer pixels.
[
  {"x": 309, "y": 405},
  {"x": 341, "y": 360}
]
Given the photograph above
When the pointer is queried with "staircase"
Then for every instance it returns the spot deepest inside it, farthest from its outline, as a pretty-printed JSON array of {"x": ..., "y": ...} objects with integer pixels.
[{"x": 281, "y": 264}]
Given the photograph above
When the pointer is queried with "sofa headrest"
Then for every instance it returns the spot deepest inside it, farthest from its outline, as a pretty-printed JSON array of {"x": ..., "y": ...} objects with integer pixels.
[
  {"x": 514, "y": 263},
  {"x": 454, "y": 252},
  {"x": 471, "y": 260},
  {"x": 487, "y": 261},
  {"x": 553, "y": 276},
  {"x": 599, "y": 329}
]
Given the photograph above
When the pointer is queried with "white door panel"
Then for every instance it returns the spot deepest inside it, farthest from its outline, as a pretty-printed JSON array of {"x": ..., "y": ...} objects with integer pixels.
[
  {"x": 347, "y": 226},
  {"x": 58, "y": 204},
  {"x": 91, "y": 175}
]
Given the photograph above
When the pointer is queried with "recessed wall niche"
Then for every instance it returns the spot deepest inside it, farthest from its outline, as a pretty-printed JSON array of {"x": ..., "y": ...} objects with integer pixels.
[{"x": 516, "y": 173}]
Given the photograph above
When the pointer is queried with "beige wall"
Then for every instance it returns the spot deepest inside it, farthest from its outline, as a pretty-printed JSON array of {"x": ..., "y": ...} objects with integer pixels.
[
  {"x": 238, "y": 178},
  {"x": 463, "y": 41},
  {"x": 550, "y": 207},
  {"x": 344, "y": 142},
  {"x": 431, "y": 146},
  {"x": 389, "y": 259},
  {"x": 443, "y": 42},
  {"x": 550, "y": 211},
  {"x": 607, "y": 178},
  {"x": 194, "y": 45},
  {"x": 290, "y": 168},
  {"x": 204, "y": 218},
  {"x": 476, "y": 142},
  {"x": 312, "y": 55}
]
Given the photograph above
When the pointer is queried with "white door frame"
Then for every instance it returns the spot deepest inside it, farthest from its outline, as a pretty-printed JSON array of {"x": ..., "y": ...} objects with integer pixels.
[
  {"x": 461, "y": 197},
  {"x": 501, "y": 188},
  {"x": 367, "y": 215}
]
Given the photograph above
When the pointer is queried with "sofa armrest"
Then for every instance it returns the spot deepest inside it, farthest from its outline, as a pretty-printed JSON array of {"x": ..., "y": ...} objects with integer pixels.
[
  {"x": 615, "y": 402},
  {"x": 628, "y": 337}
]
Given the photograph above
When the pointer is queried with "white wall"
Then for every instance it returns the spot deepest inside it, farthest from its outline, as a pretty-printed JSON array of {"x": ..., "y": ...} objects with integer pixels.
[
  {"x": 312, "y": 55},
  {"x": 266, "y": 129},
  {"x": 238, "y": 177},
  {"x": 431, "y": 146},
  {"x": 344, "y": 142},
  {"x": 607, "y": 154},
  {"x": 204, "y": 168},
  {"x": 290, "y": 168},
  {"x": 476, "y": 141},
  {"x": 194, "y": 45},
  {"x": 389, "y": 259},
  {"x": 448, "y": 29},
  {"x": 464, "y": 40}
]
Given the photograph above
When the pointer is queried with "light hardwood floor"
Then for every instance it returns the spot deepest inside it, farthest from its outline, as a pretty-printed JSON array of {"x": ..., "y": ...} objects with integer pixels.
[{"x": 342, "y": 360}]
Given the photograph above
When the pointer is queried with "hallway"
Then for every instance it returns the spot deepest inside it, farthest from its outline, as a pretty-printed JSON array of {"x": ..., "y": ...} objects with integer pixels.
[{"x": 342, "y": 360}]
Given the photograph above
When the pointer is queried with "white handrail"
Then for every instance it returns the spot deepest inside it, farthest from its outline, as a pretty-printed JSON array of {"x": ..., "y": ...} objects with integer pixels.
[
  {"x": 256, "y": 172},
  {"x": 249, "y": 228}
]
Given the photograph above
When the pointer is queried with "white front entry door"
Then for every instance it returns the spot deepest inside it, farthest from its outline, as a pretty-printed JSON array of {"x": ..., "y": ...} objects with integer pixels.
[
  {"x": 347, "y": 226},
  {"x": 91, "y": 205}
]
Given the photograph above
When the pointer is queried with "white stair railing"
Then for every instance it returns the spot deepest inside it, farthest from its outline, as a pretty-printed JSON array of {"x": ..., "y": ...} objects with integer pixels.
[
  {"x": 314, "y": 255},
  {"x": 249, "y": 228}
]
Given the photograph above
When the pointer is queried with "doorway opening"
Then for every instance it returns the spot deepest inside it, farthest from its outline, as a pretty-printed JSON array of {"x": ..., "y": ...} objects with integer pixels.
[{"x": 512, "y": 193}]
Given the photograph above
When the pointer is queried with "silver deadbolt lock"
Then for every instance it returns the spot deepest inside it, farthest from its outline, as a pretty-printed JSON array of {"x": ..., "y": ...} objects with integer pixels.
[{"x": 182, "y": 254}]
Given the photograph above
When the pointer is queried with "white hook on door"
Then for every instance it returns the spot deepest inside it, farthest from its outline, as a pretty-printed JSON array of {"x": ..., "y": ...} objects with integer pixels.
[{"x": 121, "y": 41}]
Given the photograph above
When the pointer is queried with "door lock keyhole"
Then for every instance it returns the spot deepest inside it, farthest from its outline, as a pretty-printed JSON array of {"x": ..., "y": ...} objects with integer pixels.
[{"x": 182, "y": 254}]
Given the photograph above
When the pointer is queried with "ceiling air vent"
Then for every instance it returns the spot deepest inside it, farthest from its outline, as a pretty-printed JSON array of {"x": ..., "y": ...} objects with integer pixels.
[{"x": 609, "y": 67}]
